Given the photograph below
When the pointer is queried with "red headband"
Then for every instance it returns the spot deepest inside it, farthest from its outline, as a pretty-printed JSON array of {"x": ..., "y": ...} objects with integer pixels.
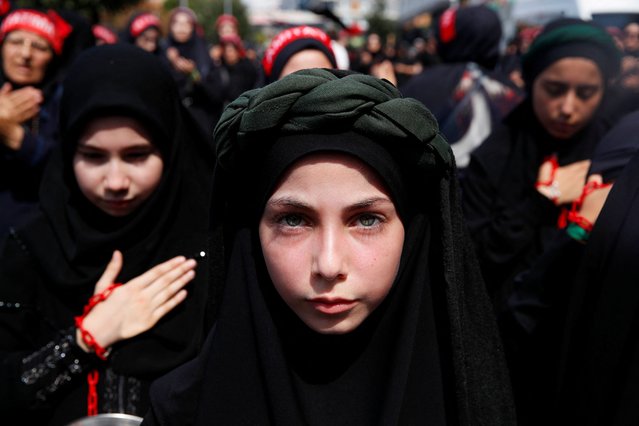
[
  {"x": 143, "y": 22},
  {"x": 101, "y": 32},
  {"x": 49, "y": 26},
  {"x": 447, "y": 30},
  {"x": 288, "y": 36}
]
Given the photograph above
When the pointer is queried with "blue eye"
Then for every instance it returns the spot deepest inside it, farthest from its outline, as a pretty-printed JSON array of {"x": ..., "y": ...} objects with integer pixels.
[
  {"x": 292, "y": 220},
  {"x": 368, "y": 220}
]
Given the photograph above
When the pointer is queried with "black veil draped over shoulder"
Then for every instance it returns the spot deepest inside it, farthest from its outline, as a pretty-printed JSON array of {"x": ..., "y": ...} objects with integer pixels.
[{"x": 429, "y": 354}]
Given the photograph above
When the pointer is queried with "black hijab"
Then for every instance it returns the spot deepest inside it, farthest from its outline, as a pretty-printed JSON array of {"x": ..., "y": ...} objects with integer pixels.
[
  {"x": 195, "y": 47},
  {"x": 600, "y": 354},
  {"x": 72, "y": 240},
  {"x": 429, "y": 354}
]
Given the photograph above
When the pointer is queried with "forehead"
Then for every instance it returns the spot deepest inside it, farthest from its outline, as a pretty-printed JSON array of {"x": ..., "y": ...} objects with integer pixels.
[
  {"x": 575, "y": 70},
  {"x": 331, "y": 169},
  {"x": 114, "y": 131},
  {"x": 25, "y": 34}
]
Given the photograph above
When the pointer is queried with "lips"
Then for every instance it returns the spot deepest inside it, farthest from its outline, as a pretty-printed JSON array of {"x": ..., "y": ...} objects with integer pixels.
[{"x": 332, "y": 306}]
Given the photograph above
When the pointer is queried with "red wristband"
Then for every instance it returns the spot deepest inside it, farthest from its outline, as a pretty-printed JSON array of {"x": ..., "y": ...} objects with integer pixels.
[{"x": 87, "y": 337}]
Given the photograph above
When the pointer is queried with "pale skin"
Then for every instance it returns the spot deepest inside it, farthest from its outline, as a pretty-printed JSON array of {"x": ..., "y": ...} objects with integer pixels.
[
  {"x": 304, "y": 59},
  {"x": 332, "y": 241},
  {"x": 25, "y": 57},
  {"x": 566, "y": 95},
  {"x": 118, "y": 169}
]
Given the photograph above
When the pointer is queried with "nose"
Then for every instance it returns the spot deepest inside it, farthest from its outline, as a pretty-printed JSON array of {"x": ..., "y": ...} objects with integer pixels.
[
  {"x": 568, "y": 103},
  {"x": 25, "y": 50},
  {"x": 116, "y": 178},
  {"x": 330, "y": 254}
]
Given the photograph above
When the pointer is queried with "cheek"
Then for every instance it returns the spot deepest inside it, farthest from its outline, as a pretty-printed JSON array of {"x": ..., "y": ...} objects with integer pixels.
[
  {"x": 87, "y": 179},
  {"x": 149, "y": 176},
  {"x": 286, "y": 268}
]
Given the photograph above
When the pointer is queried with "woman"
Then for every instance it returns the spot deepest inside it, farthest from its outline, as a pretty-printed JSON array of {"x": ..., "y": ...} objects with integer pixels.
[
  {"x": 351, "y": 297},
  {"x": 535, "y": 317},
  {"x": 201, "y": 91},
  {"x": 122, "y": 202},
  {"x": 535, "y": 163},
  {"x": 31, "y": 49},
  {"x": 235, "y": 70},
  {"x": 144, "y": 31},
  {"x": 295, "y": 49}
]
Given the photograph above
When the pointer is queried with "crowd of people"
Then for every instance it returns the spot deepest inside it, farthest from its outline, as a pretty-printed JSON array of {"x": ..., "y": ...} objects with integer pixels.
[{"x": 427, "y": 232}]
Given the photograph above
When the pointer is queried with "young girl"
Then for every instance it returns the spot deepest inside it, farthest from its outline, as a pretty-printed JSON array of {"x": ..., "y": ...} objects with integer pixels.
[
  {"x": 351, "y": 295},
  {"x": 123, "y": 202}
]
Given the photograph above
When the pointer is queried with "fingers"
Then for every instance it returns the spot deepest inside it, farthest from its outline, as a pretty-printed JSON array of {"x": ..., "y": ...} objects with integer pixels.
[
  {"x": 110, "y": 273},
  {"x": 5, "y": 89},
  {"x": 157, "y": 271},
  {"x": 170, "y": 282},
  {"x": 169, "y": 305}
]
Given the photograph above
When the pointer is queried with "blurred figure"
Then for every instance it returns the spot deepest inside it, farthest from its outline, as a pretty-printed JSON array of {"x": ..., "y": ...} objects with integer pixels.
[
  {"x": 465, "y": 94},
  {"x": 103, "y": 35},
  {"x": 226, "y": 25},
  {"x": 188, "y": 59},
  {"x": 32, "y": 43},
  {"x": 296, "y": 49},
  {"x": 630, "y": 63},
  {"x": 237, "y": 73},
  {"x": 144, "y": 31}
]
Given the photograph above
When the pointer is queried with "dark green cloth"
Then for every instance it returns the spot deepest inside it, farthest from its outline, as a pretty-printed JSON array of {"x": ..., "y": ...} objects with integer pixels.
[{"x": 368, "y": 106}]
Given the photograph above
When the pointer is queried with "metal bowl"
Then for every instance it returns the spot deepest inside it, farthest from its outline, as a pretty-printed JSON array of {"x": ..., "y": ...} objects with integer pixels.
[{"x": 110, "y": 419}]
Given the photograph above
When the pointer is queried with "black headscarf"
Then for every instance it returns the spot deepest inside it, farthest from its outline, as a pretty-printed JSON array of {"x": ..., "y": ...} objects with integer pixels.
[
  {"x": 72, "y": 240},
  {"x": 469, "y": 34},
  {"x": 428, "y": 355},
  {"x": 195, "y": 47}
]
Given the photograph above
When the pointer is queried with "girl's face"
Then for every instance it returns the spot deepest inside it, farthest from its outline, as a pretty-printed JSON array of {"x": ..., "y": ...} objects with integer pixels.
[
  {"x": 332, "y": 241},
  {"x": 181, "y": 27},
  {"x": 148, "y": 40},
  {"x": 566, "y": 96},
  {"x": 25, "y": 57},
  {"x": 116, "y": 165}
]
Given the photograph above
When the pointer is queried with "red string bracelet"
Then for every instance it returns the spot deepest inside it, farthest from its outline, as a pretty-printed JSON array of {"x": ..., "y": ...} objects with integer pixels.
[
  {"x": 88, "y": 339},
  {"x": 555, "y": 165},
  {"x": 573, "y": 215}
]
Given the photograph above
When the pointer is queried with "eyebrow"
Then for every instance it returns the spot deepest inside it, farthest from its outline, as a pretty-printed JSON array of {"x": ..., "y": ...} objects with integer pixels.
[{"x": 295, "y": 203}]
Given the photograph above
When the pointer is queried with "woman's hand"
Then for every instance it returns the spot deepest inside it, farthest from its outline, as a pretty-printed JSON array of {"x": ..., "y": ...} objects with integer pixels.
[
  {"x": 594, "y": 202},
  {"x": 568, "y": 181},
  {"x": 139, "y": 304},
  {"x": 16, "y": 107}
]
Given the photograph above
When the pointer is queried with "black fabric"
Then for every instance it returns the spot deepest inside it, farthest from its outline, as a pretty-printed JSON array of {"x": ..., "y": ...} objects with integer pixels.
[
  {"x": 599, "y": 376},
  {"x": 70, "y": 242},
  {"x": 616, "y": 149},
  {"x": 535, "y": 317},
  {"x": 510, "y": 222},
  {"x": 428, "y": 355},
  {"x": 477, "y": 36}
]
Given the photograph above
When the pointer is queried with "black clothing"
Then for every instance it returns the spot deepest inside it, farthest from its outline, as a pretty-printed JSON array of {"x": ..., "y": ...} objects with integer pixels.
[
  {"x": 50, "y": 267},
  {"x": 533, "y": 323},
  {"x": 510, "y": 222},
  {"x": 598, "y": 382},
  {"x": 429, "y": 354}
]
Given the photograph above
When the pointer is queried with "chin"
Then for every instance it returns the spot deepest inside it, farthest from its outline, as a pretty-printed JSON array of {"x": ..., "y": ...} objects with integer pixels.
[{"x": 333, "y": 327}]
